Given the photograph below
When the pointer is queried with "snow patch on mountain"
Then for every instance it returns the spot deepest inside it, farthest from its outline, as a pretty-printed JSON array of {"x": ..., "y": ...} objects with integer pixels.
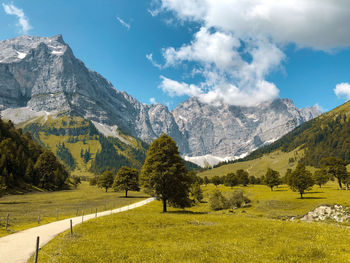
[{"x": 211, "y": 160}]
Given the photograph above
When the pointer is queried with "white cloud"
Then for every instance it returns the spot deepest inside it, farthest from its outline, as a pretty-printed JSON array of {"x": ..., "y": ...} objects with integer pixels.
[
  {"x": 23, "y": 21},
  {"x": 175, "y": 88},
  {"x": 228, "y": 76},
  {"x": 342, "y": 90},
  {"x": 123, "y": 23},
  {"x": 154, "y": 63},
  {"x": 319, "y": 24},
  {"x": 152, "y": 101},
  {"x": 240, "y": 43}
]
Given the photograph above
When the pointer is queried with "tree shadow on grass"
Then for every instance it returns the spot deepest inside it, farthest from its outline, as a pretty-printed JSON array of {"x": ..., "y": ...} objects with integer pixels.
[
  {"x": 280, "y": 190},
  {"x": 187, "y": 212},
  {"x": 312, "y": 197},
  {"x": 316, "y": 192},
  {"x": 12, "y": 203},
  {"x": 131, "y": 197}
]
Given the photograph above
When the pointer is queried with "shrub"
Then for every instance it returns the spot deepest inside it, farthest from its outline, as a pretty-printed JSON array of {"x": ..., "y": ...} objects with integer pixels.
[
  {"x": 236, "y": 199},
  {"x": 217, "y": 200}
]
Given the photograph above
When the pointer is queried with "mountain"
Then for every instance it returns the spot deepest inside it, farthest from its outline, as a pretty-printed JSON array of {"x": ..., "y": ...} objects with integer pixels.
[
  {"x": 41, "y": 79},
  {"x": 325, "y": 136},
  {"x": 227, "y": 130}
]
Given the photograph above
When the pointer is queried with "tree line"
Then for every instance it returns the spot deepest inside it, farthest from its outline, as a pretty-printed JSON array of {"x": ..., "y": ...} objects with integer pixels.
[{"x": 24, "y": 163}]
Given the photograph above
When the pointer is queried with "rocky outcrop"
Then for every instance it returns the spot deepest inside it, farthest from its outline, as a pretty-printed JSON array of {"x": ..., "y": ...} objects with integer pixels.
[
  {"x": 230, "y": 130},
  {"x": 42, "y": 75},
  {"x": 335, "y": 213}
]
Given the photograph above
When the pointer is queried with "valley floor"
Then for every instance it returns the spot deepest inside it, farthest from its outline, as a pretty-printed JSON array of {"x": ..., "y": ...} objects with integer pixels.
[
  {"x": 250, "y": 234},
  {"x": 24, "y": 209}
]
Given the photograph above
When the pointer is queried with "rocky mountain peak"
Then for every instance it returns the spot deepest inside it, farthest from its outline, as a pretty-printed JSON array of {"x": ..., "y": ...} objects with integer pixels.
[{"x": 41, "y": 75}]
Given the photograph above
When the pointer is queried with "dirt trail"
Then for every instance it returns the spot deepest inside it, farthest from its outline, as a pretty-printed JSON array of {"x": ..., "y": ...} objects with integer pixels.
[{"x": 18, "y": 247}]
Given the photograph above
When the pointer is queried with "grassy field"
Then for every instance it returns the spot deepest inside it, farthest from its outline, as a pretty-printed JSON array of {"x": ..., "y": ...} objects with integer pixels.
[
  {"x": 282, "y": 202},
  {"x": 277, "y": 160},
  {"x": 24, "y": 209},
  {"x": 198, "y": 235}
]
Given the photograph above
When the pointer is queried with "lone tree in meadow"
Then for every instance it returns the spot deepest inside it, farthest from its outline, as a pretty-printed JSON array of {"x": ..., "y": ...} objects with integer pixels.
[
  {"x": 127, "y": 179},
  {"x": 321, "y": 177},
  {"x": 336, "y": 168},
  {"x": 164, "y": 174},
  {"x": 272, "y": 178},
  {"x": 300, "y": 179},
  {"x": 105, "y": 180}
]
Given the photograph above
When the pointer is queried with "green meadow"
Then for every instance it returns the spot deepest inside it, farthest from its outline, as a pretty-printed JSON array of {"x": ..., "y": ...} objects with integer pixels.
[
  {"x": 278, "y": 160},
  {"x": 258, "y": 233},
  {"x": 24, "y": 209}
]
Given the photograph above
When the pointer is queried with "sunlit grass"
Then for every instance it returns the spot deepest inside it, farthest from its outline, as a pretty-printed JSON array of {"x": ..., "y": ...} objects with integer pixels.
[
  {"x": 147, "y": 235},
  {"x": 277, "y": 160},
  {"x": 24, "y": 209},
  {"x": 283, "y": 202}
]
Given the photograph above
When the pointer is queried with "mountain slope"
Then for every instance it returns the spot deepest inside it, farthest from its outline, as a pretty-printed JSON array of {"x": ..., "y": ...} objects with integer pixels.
[
  {"x": 41, "y": 78},
  {"x": 325, "y": 136},
  {"x": 236, "y": 131}
]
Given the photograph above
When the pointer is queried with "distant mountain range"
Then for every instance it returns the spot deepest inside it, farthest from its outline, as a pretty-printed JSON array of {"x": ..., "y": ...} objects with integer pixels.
[
  {"x": 41, "y": 79},
  {"x": 325, "y": 136}
]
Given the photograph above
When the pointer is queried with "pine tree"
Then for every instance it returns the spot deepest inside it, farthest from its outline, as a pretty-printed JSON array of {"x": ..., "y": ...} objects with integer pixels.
[{"x": 164, "y": 174}]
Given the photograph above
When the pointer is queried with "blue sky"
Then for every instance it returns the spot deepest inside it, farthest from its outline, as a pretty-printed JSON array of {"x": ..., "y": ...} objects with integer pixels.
[{"x": 171, "y": 49}]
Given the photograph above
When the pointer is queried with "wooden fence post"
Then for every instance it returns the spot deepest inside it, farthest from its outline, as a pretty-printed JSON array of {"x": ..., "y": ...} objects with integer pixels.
[
  {"x": 37, "y": 250},
  {"x": 7, "y": 221},
  {"x": 82, "y": 217},
  {"x": 56, "y": 214},
  {"x": 71, "y": 228},
  {"x": 39, "y": 218},
  {"x": 96, "y": 213}
]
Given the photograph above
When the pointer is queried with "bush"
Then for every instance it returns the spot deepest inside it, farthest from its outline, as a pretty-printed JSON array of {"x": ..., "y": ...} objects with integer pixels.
[
  {"x": 217, "y": 200},
  {"x": 235, "y": 199}
]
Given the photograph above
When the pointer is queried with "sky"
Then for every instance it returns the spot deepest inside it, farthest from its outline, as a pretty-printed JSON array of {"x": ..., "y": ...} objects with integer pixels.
[{"x": 232, "y": 51}]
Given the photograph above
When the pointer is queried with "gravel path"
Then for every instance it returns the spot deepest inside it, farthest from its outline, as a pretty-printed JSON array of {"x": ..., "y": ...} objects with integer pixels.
[{"x": 19, "y": 247}]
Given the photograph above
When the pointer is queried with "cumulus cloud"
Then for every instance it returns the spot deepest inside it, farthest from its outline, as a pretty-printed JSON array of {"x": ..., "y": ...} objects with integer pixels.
[
  {"x": 175, "y": 88},
  {"x": 123, "y": 23},
  {"x": 240, "y": 43},
  {"x": 342, "y": 90},
  {"x": 319, "y": 24},
  {"x": 23, "y": 21},
  {"x": 228, "y": 76}
]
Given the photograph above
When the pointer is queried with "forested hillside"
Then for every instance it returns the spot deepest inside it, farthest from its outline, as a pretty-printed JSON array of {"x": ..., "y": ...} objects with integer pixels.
[
  {"x": 82, "y": 148},
  {"x": 327, "y": 135},
  {"x": 24, "y": 163}
]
